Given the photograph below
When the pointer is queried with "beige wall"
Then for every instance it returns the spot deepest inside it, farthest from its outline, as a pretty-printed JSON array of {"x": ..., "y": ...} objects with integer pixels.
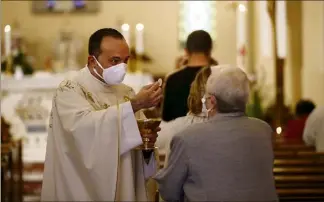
[
  {"x": 160, "y": 19},
  {"x": 313, "y": 51}
]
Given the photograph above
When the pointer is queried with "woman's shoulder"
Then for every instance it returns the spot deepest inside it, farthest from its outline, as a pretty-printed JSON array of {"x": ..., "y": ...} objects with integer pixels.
[{"x": 177, "y": 123}]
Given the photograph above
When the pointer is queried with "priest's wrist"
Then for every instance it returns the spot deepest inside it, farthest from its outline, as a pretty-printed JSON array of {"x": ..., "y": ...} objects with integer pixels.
[{"x": 136, "y": 105}]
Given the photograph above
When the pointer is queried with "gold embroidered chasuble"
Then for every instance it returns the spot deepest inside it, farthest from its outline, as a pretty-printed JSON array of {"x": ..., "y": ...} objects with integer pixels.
[{"x": 90, "y": 153}]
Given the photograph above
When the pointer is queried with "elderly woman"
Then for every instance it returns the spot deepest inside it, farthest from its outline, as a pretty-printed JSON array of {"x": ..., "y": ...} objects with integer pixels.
[
  {"x": 227, "y": 158},
  {"x": 195, "y": 114}
]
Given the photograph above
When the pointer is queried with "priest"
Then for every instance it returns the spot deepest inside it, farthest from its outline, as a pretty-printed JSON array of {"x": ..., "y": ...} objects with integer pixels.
[{"x": 93, "y": 131}]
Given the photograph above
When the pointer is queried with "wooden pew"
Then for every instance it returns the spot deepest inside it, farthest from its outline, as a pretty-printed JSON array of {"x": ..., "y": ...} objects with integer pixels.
[
  {"x": 292, "y": 147},
  {"x": 297, "y": 154},
  {"x": 300, "y": 195},
  {"x": 299, "y": 173}
]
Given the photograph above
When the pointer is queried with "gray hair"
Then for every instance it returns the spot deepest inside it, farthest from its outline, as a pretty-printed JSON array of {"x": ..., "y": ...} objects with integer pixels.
[{"x": 230, "y": 86}]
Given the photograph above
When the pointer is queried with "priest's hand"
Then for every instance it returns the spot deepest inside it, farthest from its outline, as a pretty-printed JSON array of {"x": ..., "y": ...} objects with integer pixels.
[{"x": 149, "y": 96}]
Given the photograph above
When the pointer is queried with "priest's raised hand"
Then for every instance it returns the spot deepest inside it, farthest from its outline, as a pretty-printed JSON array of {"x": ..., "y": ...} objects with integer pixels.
[{"x": 149, "y": 96}]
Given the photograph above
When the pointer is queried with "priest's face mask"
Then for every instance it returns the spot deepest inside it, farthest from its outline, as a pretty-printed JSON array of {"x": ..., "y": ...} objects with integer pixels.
[{"x": 110, "y": 64}]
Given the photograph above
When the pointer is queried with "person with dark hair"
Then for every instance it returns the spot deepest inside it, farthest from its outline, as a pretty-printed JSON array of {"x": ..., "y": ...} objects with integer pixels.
[
  {"x": 304, "y": 108},
  {"x": 177, "y": 86},
  {"x": 93, "y": 131},
  {"x": 295, "y": 127}
]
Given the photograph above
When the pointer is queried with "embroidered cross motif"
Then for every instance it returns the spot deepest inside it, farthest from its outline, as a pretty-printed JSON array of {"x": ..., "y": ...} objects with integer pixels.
[
  {"x": 126, "y": 98},
  {"x": 105, "y": 106},
  {"x": 66, "y": 84},
  {"x": 89, "y": 97}
]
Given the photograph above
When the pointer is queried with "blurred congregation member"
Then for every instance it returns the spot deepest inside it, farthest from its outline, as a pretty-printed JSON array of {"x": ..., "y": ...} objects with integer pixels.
[
  {"x": 295, "y": 127},
  {"x": 314, "y": 129},
  {"x": 227, "y": 158},
  {"x": 196, "y": 113},
  {"x": 177, "y": 85}
]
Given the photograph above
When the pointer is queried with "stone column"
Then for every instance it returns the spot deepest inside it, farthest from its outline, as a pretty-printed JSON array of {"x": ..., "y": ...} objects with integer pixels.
[
  {"x": 294, "y": 51},
  {"x": 250, "y": 36}
]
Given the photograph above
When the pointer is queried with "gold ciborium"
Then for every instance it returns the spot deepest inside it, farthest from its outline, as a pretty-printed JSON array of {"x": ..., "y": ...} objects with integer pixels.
[{"x": 148, "y": 131}]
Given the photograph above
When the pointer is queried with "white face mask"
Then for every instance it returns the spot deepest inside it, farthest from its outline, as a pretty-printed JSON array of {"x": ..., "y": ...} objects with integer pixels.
[
  {"x": 113, "y": 75},
  {"x": 204, "y": 109}
]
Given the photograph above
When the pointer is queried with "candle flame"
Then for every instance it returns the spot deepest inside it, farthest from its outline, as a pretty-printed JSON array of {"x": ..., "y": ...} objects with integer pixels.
[
  {"x": 278, "y": 130},
  {"x": 242, "y": 8},
  {"x": 7, "y": 28},
  {"x": 125, "y": 27},
  {"x": 139, "y": 27}
]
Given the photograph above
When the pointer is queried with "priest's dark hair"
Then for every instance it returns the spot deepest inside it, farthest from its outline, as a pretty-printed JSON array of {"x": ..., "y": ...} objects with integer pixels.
[
  {"x": 199, "y": 41},
  {"x": 96, "y": 38}
]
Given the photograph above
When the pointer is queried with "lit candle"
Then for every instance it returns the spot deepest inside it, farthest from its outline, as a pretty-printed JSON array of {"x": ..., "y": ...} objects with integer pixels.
[
  {"x": 281, "y": 29},
  {"x": 241, "y": 8},
  {"x": 241, "y": 34},
  {"x": 125, "y": 32},
  {"x": 139, "y": 39},
  {"x": 7, "y": 40}
]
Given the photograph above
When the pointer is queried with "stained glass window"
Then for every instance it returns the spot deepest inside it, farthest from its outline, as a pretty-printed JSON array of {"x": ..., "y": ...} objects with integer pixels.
[
  {"x": 195, "y": 15},
  {"x": 63, "y": 6}
]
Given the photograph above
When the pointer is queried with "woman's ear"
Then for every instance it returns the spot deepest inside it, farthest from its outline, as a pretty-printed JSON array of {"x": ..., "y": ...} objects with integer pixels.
[{"x": 213, "y": 101}]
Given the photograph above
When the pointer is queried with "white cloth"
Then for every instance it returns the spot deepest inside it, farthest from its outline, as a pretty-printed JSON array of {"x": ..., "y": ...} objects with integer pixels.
[
  {"x": 92, "y": 134},
  {"x": 171, "y": 128},
  {"x": 314, "y": 129}
]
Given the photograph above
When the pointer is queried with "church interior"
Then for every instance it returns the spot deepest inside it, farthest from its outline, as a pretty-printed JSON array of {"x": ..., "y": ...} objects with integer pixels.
[{"x": 279, "y": 44}]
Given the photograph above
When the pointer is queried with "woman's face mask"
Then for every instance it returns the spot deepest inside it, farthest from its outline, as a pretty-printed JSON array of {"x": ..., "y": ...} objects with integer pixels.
[
  {"x": 113, "y": 75},
  {"x": 205, "y": 110}
]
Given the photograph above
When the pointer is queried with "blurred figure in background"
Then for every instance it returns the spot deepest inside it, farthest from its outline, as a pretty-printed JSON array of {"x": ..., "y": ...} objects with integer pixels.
[
  {"x": 177, "y": 85},
  {"x": 195, "y": 114},
  {"x": 295, "y": 127},
  {"x": 314, "y": 129}
]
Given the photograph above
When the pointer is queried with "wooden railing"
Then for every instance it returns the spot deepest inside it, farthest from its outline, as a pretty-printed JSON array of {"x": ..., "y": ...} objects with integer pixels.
[{"x": 299, "y": 172}]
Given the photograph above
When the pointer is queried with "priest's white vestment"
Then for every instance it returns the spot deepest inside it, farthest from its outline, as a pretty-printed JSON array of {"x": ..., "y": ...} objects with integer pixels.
[{"x": 90, "y": 152}]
